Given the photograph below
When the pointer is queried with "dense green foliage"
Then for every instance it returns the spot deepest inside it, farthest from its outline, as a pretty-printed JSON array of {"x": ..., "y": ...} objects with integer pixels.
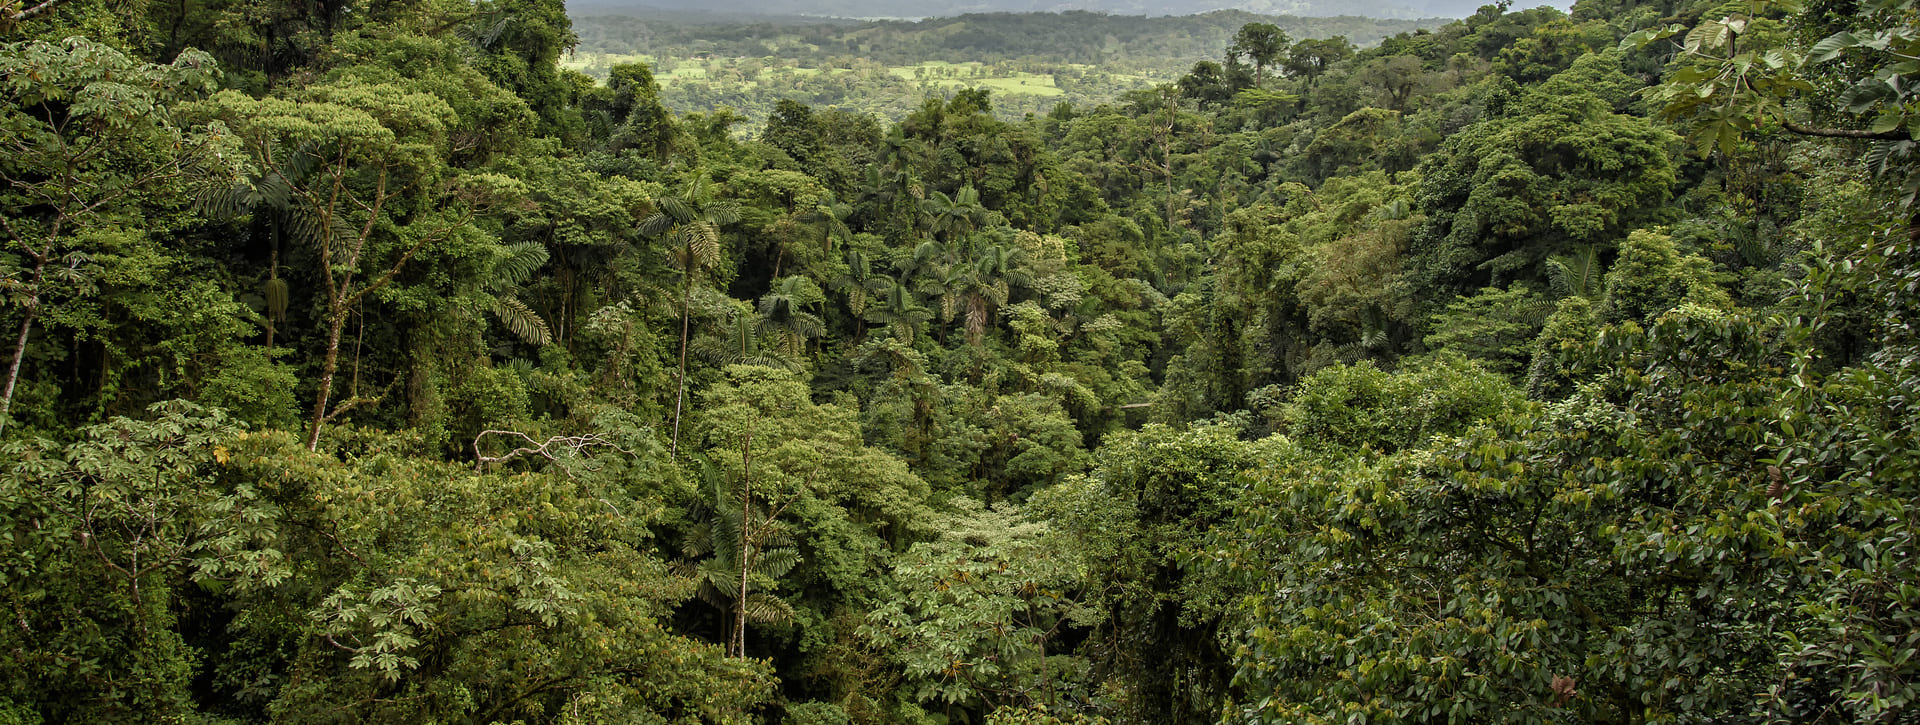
[{"x": 364, "y": 364}]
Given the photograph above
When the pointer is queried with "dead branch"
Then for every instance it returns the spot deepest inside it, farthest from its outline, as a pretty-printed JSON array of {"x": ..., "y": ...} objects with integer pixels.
[{"x": 554, "y": 448}]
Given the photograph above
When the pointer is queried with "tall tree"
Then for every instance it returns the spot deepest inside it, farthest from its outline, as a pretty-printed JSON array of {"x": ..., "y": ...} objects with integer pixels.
[
  {"x": 690, "y": 225},
  {"x": 1310, "y": 58},
  {"x": 637, "y": 120},
  {"x": 1262, "y": 44},
  {"x": 380, "y": 191}
]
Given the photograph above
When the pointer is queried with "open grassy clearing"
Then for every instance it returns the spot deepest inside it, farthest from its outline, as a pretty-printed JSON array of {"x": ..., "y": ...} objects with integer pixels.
[
  {"x": 753, "y": 85},
  {"x": 1029, "y": 84},
  {"x": 941, "y": 74}
]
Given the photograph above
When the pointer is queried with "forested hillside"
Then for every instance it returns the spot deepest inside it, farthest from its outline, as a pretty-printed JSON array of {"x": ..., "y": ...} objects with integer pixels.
[{"x": 363, "y": 364}]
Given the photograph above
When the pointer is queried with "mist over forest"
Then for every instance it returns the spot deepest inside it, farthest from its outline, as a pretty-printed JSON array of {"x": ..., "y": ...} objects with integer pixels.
[{"x": 505, "y": 361}]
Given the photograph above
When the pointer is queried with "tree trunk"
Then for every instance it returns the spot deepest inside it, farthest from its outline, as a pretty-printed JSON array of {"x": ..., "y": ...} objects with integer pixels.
[
  {"x": 746, "y": 540},
  {"x": 1168, "y": 152},
  {"x": 680, "y": 397},
  {"x": 273, "y": 274},
  {"x": 335, "y": 323},
  {"x": 20, "y": 347}
]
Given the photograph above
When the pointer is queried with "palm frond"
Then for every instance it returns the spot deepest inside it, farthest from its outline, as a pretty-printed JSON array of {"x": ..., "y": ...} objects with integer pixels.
[
  {"x": 701, "y": 241},
  {"x": 763, "y": 608},
  {"x": 655, "y": 225},
  {"x": 677, "y": 210},
  {"x": 807, "y": 324},
  {"x": 738, "y": 342},
  {"x": 997, "y": 292},
  {"x": 521, "y": 320},
  {"x": 519, "y": 264},
  {"x": 492, "y": 35},
  {"x": 717, "y": 585},
  {"x": 224, "y": 201},
  {"x": 722, "y": 213},
  {"x": 1577, "y": 274},
  {"x": 857, "y": 300},
  {"x": 775, "y": 360},
  {"x": 776, "y": 562}
]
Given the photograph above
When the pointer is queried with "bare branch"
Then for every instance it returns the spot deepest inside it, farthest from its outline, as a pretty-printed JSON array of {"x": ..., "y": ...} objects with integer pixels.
[
  {"x": 37, "y": 9},
  {"x": 554, "y": 448},
  {"x": 350, "y": 404},
  {"x": 1894, "y": 135}
]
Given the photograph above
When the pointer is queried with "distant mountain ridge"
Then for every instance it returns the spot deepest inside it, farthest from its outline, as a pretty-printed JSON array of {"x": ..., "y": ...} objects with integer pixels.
[{"x": 1390, "y": 9}]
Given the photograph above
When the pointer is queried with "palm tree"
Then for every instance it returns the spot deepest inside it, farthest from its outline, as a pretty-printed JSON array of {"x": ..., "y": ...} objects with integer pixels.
[
  {"x": 928, "y": 258},
  {"x": 894, "y": 189},
  {"x": 745, "y": 548},
  {"x": 739, "y": 343},
  {"x": 1263, "y": 44},
  {"x": 859, "y": 284},
  {"x": 898, "y": 152},
  {"x": 958, "y": 215},
  {"x": 690, "y": 226},
  {"x": 900, "y": 312},
  {"x": 267, "y": 195},
  {"x": 783, "y": 313},
  {"x": 832, "y": 215},
  {"x": 877, "y": 189},
  {"x": 981, "y": 285}
]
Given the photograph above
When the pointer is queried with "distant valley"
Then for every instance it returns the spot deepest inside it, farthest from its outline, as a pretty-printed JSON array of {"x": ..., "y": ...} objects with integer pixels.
[
  {"x": 1394, "y": 9},
  {"x": 1029, "y": 61}
]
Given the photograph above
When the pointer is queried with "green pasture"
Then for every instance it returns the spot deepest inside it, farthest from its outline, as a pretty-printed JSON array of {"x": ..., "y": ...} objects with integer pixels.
[{"x": 938, "y": 73}]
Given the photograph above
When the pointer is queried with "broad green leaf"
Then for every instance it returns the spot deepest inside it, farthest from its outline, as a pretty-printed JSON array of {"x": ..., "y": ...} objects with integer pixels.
[{"x": 1831, "y": 47}]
